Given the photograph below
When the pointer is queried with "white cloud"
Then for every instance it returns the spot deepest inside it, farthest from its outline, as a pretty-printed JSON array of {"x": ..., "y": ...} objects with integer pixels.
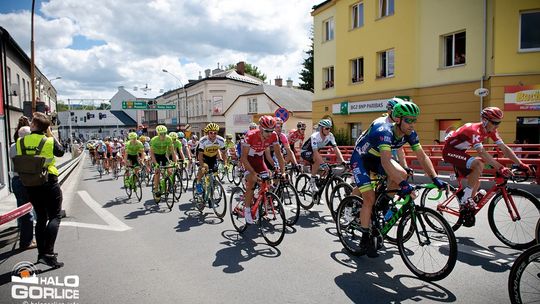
[{"x": 136, "y": 39}]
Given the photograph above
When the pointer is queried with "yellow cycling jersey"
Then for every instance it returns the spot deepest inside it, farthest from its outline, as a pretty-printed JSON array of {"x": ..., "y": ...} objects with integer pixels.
[{"x": 211, "y": 148}]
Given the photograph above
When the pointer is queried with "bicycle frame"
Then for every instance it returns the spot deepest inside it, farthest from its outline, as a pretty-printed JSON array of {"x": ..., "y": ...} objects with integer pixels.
[{"x": 261, "y": 197}]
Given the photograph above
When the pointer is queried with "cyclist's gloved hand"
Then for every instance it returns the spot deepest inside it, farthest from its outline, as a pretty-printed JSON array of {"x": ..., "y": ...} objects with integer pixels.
[
  {"x": 405, "y": 188},
  {"x": 439, "y": 183},
  {"x": 524, "y": 167},
  {"x": 409, "y": 171},
  {"x": 506, "y": 172}
]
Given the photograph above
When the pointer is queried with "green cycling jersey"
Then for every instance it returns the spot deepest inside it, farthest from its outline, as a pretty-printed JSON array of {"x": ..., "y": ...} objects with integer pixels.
[
  {"x": 161, "y": 146},
  {"x": 134, "y": 148}
]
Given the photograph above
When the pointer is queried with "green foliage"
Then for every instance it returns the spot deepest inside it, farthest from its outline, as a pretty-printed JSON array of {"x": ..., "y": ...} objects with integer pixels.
[
  {"x": 250, "y": 69},
  {"x": 343, "y": 138},
  {"x": 306, "y": 75},
  {"x": 61, "y": 106}
]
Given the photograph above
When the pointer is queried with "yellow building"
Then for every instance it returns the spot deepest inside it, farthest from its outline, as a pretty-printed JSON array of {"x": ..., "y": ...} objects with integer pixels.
[{"x": 437, "y": 53}]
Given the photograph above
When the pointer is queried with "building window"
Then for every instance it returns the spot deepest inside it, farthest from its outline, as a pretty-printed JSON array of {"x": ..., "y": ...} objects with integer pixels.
[
  {"x": 386, "y": 8},
  {"x": 29, "y": 89},
  {"x": 19, "y": 90},
  {"x": 529, "y": 36},
  {"x": 357, "y": 15},
  {"x": 252, "y": 105},
  {"x": 386, "y": 64},
  {"x": 454, "y": 49},
  {"x": 328, "y": 27},
  {"x": 356, "y": 131},
  {"x": 328, "y": 77},
  {"x": 24, "y": 89},
  {"x": 357, "y": 70}
]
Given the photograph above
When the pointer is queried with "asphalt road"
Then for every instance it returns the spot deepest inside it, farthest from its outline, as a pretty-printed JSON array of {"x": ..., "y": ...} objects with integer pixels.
[{"x": 124, "y": 251}]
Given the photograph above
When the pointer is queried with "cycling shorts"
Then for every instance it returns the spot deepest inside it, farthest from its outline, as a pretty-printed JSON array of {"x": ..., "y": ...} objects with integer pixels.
[
  {"x": 459, "y": 159},
  {"x": 101, "y": 154},
  {"x": 210, "y": 162},
  {"x": 307, "y": 156},
  {"x": 134, "y": 160},
  {"x": 257, "y": 162},
  {"x": 362, "y": 166},
  {"x": 161, "y": 159}
]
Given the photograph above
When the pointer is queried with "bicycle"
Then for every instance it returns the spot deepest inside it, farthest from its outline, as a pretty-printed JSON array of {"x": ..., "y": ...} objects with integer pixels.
[
  {"x": 213, "y": 193},
  {"x": 114, "y": 167},
  {"x": 524, "y": 278},
  {"x": 238, "y": 171},
  {"x": 267, "y": 211},
  {"x": 132, "y": 183},
  {"x": 100, "y": 166},
  {"x": 422, "y": 234},
  {"x": 166, "y": 189},
  {"x": 328, "y": 179},
  {"x": 283, "y": 188},
  {"x": 513, "y": 222}
]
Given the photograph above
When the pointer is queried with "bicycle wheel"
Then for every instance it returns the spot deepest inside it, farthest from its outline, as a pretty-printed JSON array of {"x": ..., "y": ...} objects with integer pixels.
[
  {"x": 348, "y": 223},
  {"x": 185, "y": 179},
  {"x": 236, "y": 207},
  {"x": 304, "y": 191},
  {"x": 429, "y": 253},
  {"x": 137, "y": 187},
  {"x": 272, "y": 219},
  {"x": 339, "y": 192},
  {"x": 229, "y": 171},
  {"x": 291, "y": 202},
  {"x": 178, "y": 185},
  {"x": 169, "y": 195},
  {"x": 448, "y": 208},
  {"x": 237, "y": 174},
  {"x": 219, "y": 200},
  {"x": 127, "y": 186},
  {"x": 517, "y": 234},
  {"x": 334, "y": 181},
  {"x": 524, "y": 278},
  {"x": 221, "y": 170},
  {"x": 197, "y": 198},
  {"x": 156, "y": 194}
]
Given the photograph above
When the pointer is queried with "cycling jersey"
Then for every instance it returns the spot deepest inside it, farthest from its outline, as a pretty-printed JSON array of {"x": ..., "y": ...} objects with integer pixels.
[
  {"x": 184, "y": 146},
  {"x": 471, "y": 134},
  {"x": 229, "y": 144},
  {"x": 115, "y": 147},
  {"x": 100, "y": 146},
  {"x": 146, "y": 147},
  {"x": 177, "y": 145},
  {"x": 255, "y": 143},
  {"x": 282, "y": 140},
  {"x": 210, "y": 148},
  {"x": 192, "y": 145},
  {"x": 316, "y": 142},
  {"x": 160, "y": 146},
  {"x": 294, "y": 136},
  {"x": 134, "y": 148}
]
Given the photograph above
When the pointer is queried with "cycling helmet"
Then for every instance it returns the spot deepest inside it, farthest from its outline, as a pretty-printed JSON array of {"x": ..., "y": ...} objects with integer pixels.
[
  {"x": 115, "y": 139},
  {"x": 300, "y": 124},
  {"x": 194, "y": 137},
  {"x": 211, "y": 127},
  {"x": 228, "y": 136},
  {"x": 325, "y": 123},
  {"x": 267, "y": 122},
  {"x": 492, "y": 113},
  {"x": 161, "y": 129},
  {"x": 392, "y": 102},
  {"x": 142, "y": 138},
  {"x": 181, "y": 134},
  {"x": 173, "y": 135},
  {"x": 405, "y": 108},
  {"x": 132, "y": 135},
  {"x": 121, "y": 141},
  {"x": 252, "y": 126}
]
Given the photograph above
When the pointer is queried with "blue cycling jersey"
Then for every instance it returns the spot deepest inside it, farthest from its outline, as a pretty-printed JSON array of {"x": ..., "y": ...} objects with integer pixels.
[{"x": 380, "y": 136}]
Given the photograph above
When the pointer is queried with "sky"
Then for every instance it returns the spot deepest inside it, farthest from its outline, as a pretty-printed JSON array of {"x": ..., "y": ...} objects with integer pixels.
[{"x": 97, "y": 46}]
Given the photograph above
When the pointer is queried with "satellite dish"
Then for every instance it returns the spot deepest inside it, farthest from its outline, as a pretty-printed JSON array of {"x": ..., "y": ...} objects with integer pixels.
[{"x": 481, "y": 92}]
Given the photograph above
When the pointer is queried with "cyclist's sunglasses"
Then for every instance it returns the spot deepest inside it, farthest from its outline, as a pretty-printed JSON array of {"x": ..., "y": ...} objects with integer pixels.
[
  {"x": 409, "y": 120},
  {"x": 268, "y": 130},
  {"x": 326, "y": 128},
  {"x": 495, "y": 123},
  {"x": 212, "y": 132}
]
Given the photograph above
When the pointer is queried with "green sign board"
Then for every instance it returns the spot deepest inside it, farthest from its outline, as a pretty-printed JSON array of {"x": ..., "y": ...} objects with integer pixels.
[{"x": 143, "y": 105}]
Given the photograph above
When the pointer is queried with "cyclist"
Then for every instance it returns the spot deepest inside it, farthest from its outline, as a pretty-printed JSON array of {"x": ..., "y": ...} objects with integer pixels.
[
  {"x": 252, "y": 157},
  {"x": 473, "y": 134},
  {"x": 101, "y": 149},
  {"x": 209, "y": 151},
  {"x": 134, "y": 149},
  {"x": 297, "y": 135},
  {"x": 114, "y": 148},
  {"x": 144, "y": 140},
  {"x": 192, "y": 144},
  {"x": 252, "y": 126},
  {"x": 372, "y": 153},
  {"x": 185, "y": 149},
  {"x": 310, "y": 149},
  {"x": 160, "y": 146},
  {"x": 230, "y": 148},
  {"x": 91, "y": 146},
  {"x": 285, "y": 148},
  {"x": 177, "y": 144}
]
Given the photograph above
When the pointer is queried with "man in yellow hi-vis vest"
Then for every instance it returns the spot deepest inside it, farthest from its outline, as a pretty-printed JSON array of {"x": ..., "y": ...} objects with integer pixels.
[{"x": 47, "y": 198}]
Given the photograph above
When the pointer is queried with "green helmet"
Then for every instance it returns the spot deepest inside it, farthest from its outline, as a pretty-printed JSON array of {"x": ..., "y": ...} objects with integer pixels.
[
  {"x": 132, "y": 135},
  {"x": 405, "y": 108},
  {"x": 325, "y": 123},
  {"x": 161, "y": 129},
  {"x": 173, "y": 135}
]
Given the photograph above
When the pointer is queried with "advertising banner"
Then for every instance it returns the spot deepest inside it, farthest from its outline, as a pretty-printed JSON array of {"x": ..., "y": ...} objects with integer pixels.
[{"x": 522, "y": 98}]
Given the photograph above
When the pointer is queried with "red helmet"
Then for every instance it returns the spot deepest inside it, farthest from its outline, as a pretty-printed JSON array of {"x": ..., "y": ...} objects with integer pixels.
[
  {"x": 492, "y": 113},
  {"x": 267, "y": 122}
]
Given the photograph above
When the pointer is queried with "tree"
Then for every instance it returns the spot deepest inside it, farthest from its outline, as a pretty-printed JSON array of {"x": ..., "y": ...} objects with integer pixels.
[
  {"x": 61, "y": 106},
  {"x": 306, "y": 75},
  {"x": 250, "y": 69}
]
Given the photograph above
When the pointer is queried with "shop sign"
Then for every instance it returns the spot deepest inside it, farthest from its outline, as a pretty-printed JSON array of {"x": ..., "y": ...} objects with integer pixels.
[{"x": 522, "y": 98}]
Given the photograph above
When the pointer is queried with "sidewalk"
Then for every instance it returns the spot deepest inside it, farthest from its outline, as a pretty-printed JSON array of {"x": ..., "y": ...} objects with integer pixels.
[{"x": 9, "y": 203}]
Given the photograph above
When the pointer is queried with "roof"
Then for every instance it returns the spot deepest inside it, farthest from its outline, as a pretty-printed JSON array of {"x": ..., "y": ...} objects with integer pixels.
[
  {"x": 124, "y": 118},
  {"x": 231, "y": 75},
  {"x": 291, "y": 99}
]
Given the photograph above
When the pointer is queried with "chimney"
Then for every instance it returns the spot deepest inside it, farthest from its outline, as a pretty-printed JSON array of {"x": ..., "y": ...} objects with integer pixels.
[
  {"x": 207, "y": 72},
  {"x": 289, "y": 83},
  {"x": 200, "y": 76},
  {"x": 240, "y": 68},
  {"x": 278, "y": 81}
]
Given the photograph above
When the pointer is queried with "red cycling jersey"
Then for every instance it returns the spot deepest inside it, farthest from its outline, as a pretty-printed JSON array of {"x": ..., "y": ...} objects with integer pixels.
[
  {"x": 294, "y": 136},
  {"x": 470, "y": 134},
  {"x": 254, "y": 142}
]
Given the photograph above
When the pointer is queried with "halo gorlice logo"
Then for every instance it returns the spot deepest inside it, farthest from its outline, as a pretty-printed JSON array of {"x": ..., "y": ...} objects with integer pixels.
[{"x": 27, "y": 285}]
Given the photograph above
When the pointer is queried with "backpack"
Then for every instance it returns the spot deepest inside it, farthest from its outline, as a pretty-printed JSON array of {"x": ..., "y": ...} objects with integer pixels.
[{"x": 31, "y": 168}]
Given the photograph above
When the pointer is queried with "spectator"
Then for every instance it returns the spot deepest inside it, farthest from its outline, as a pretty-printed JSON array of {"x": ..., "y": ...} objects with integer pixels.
[
  {"x": 25, "y": 222},
  {"x": 46, "y": 198},
  {"x": 23, "y": 121}
]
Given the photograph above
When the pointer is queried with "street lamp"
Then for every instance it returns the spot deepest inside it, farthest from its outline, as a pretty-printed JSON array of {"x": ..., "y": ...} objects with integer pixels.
[
  {"x": 178, "y": 96},
  {"x": 56, "y": 78}
]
